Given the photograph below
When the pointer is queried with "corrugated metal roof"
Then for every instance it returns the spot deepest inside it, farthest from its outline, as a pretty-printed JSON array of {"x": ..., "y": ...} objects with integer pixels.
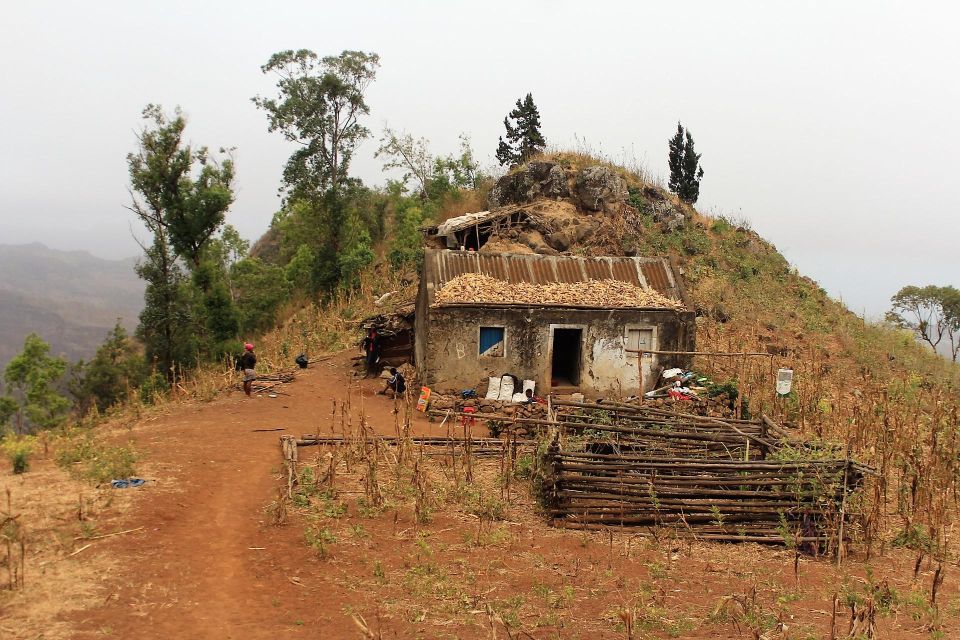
[{"x": 650, "y": 273}]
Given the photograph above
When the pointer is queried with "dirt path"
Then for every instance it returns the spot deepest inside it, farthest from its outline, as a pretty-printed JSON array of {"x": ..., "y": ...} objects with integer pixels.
[{"x": 207, "y": 563}]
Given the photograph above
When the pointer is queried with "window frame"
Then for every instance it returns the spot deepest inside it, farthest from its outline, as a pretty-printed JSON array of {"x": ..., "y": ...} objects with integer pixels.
[{"x": 503, "y": 329}]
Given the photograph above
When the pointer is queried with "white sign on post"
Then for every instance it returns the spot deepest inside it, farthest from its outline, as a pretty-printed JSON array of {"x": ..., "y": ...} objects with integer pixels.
[{"x": 784, "y": 381}]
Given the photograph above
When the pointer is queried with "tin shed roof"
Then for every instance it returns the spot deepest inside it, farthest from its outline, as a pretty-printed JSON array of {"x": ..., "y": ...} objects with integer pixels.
[{"x": 648, "y": 273}]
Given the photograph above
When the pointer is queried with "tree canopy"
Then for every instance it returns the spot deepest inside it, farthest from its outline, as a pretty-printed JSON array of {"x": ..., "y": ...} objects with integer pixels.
[
  {"x": 114, "y": 370},
  {"x": 31, "y": 378},
  {"x": 318, "y": 106},
  {"x": 188, "y": 209},
  {"x": 932, "y": 313}
]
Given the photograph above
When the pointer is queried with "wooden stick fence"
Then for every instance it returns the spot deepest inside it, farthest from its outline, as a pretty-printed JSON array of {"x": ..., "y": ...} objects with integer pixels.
[
  {"x": 654, "y": 478},
  {"x": 716, "y": 479}
]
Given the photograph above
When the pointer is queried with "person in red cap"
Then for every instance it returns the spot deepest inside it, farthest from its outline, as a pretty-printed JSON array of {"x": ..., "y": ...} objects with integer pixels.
[{"x": 247, "y": 362}]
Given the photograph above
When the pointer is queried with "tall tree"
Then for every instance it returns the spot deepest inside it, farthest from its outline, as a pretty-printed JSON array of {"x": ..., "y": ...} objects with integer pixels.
[
  {"x": 524, "y": 139},
  {"x": 319, "y": 105},
  {"x": 932, "y": 313},
  {"x": 684, "y": 163},
  {"x": 188, "y": 210},
  {"x": 32, "y": 376},
  {"x": 181, "y": 195}
]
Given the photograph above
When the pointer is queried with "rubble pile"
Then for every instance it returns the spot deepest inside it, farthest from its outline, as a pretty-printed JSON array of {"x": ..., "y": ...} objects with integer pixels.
[
  {"x": 479, "y": 288},
  {"x": 455, "y": 404}
]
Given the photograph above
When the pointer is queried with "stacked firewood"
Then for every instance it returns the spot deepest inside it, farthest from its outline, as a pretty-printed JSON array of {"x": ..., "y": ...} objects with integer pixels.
[{"x": 478, "y": 288}]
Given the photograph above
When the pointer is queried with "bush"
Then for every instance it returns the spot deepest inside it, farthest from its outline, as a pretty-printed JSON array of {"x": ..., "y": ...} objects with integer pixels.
[
  {"x": 18, "y": 451},
  {"x": 153, "y": 387},
  {"x": 86, "y": 457}
]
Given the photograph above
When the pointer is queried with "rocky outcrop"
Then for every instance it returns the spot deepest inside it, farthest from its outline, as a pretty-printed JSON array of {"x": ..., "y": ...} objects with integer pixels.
[
  {"x": 572, "y": 233},
  {"x": 597, "y": 187},
  {"x": 535, "y": 180},
  {"x": 656, "y": 204},
  {"x": 669, "y": 218}
]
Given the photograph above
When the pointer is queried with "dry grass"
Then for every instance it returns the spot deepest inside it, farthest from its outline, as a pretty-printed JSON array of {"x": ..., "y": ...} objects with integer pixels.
[
  {"x": 55, "y": 510},
  {"x": 447, "y": 544},
  {"x": 463, "y": 202}
]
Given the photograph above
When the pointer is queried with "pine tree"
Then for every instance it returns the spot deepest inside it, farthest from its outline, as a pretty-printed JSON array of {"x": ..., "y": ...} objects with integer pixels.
[
  {"x": 524, "y": 139},
  {"x": 685, "y": 169}
]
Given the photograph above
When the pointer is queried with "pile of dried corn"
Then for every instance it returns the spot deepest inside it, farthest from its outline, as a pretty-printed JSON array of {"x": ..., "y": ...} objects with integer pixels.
[{"x": 478, "y": 288}]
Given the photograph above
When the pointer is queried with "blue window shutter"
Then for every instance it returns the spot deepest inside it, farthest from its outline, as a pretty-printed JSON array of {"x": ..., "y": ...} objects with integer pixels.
[{"x": 491, "y": 341}]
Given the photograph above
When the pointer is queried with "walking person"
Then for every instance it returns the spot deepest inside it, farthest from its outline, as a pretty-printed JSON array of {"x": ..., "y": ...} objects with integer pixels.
[{"x": 248, "y": 362}]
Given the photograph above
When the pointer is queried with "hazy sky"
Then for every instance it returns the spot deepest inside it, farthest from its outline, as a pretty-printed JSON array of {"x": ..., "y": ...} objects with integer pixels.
[{"x": 829, "y": 126}]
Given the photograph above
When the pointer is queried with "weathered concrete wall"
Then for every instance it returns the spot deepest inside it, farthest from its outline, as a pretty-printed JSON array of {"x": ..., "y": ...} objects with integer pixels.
[{"x": 448, "y": 345}]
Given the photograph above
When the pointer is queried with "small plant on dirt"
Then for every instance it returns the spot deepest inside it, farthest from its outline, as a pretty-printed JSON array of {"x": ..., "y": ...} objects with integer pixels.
[
  {"x": 13, "y": 539},
  {"x": 87, "y": 529},
  {"x": 319, "y": 539},
  {"x": 524, "y": 467},
  {"x": 277, "y": 511},
  {"x": 717, "y": 515},
  {"x": 359, "y": 531},
  {"x": 367, "y": 510},
  {"x": 334, "y": 509},
  {"x": 487, "y": 507},
  {"x": 912, "y": 537}
]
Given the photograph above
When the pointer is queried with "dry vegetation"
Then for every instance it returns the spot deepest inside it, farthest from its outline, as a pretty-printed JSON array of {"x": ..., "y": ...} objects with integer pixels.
[
  {"x": 436, "y": 543},
  {"x": 58, "y": 518}
]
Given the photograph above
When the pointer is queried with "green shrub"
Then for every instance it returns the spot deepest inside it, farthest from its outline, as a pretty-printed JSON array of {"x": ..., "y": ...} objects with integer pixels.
[
  {"x": 18, "y": 451},
  {"x": 86, "y": 457},
  {"x": 154, "y": 386}
]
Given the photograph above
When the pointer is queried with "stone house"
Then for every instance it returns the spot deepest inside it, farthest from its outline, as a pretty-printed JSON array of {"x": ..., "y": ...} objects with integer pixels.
[{"x": 571, "y": 347}]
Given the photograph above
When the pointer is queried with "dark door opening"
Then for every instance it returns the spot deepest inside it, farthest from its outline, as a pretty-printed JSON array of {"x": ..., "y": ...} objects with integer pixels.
[{"x": 565, "y": 364}]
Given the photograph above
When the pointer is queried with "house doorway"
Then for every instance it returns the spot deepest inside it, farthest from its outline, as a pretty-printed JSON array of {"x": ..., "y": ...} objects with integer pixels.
[
  {"x": 641, "y": 339},
  {"x": 565, "y": 358}
]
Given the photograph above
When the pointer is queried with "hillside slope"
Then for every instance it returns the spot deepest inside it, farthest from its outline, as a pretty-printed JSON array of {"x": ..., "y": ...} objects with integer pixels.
[{"x": 70, "y": 298}]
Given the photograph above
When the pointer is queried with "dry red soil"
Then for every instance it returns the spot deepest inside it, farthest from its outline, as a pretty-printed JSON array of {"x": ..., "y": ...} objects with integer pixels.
[{"x": 208, "y": 563}]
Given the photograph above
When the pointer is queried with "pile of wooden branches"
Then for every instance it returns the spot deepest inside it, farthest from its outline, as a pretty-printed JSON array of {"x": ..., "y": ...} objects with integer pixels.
[
  {"x": 431, "y": 445},
  {"x": 268, "y": 382},
  {"x": 709, "y": 478}
]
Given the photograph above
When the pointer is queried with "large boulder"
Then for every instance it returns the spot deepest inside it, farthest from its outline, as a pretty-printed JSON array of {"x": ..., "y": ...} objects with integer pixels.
[
  {"x": 572, "y": 233},
  {"x": 597, "y": 187},
  {"x": 533, "y": 181}
]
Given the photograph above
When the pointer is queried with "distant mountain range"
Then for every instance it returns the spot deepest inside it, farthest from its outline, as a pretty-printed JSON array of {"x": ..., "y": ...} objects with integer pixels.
[{"x": 70, "y": 298}]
